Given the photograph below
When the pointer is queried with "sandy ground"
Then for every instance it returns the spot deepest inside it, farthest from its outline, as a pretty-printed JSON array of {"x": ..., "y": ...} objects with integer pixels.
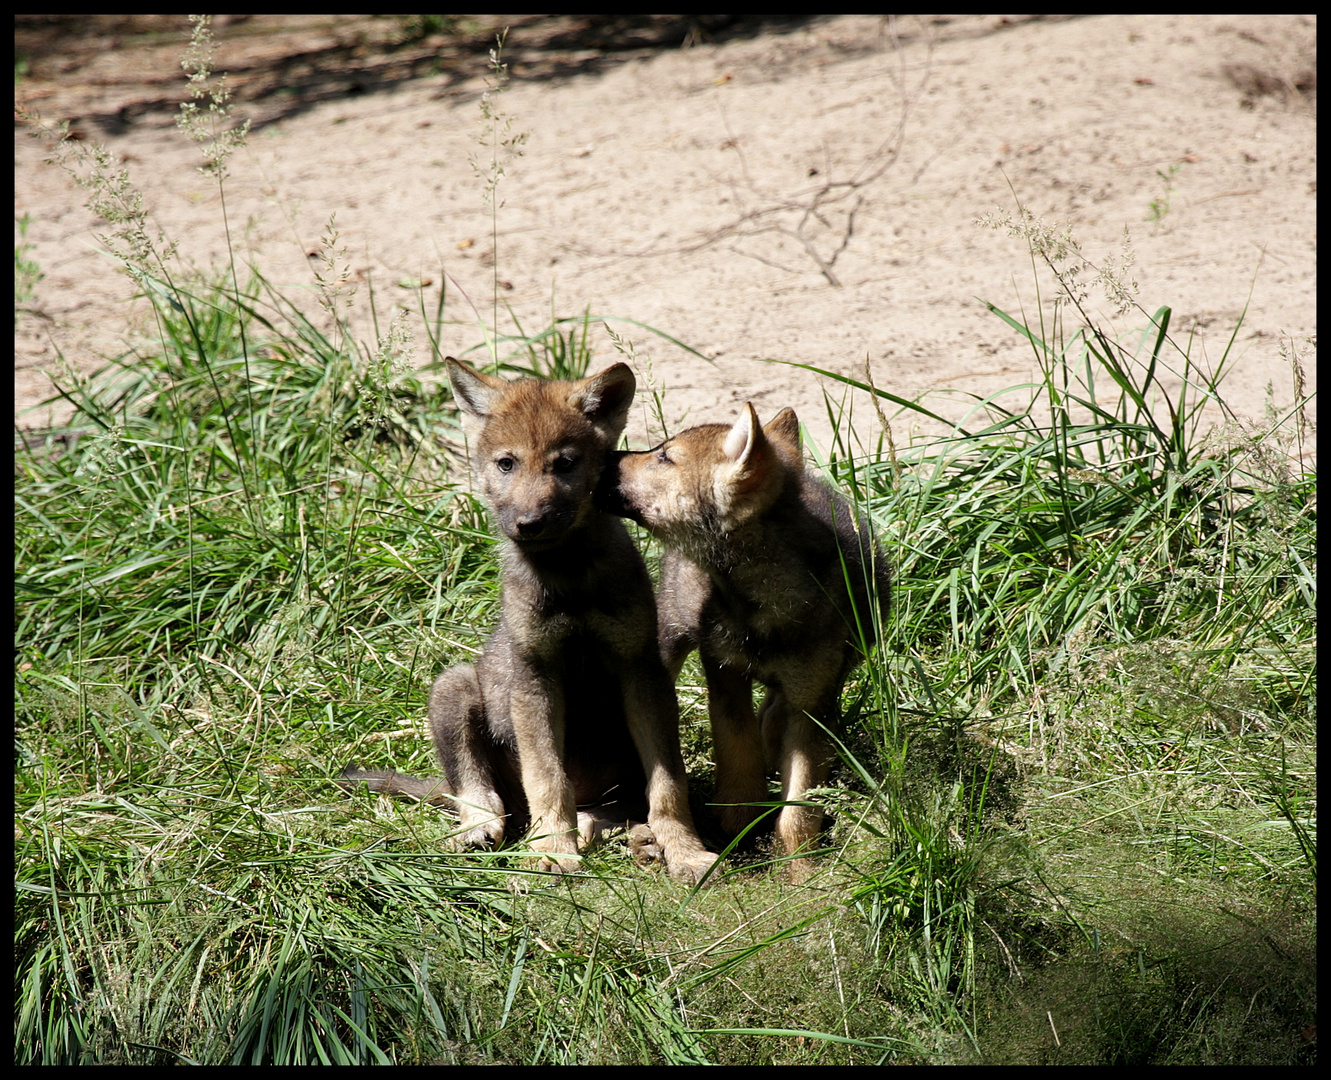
[{"x": 805, "y": 191}]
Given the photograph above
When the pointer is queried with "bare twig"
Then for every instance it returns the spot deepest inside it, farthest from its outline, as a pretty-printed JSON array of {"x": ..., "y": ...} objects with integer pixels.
[{"x": 802, "y": 215}]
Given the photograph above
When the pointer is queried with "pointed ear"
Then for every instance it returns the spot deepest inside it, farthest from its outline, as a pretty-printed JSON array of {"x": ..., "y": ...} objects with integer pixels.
[
  {"x": 738, "y": 446},
  {"x": 605, "y": 398},
  {"x": 475, "y": 393},
  {"x": 754, "y": 456},
  {"x": 783, "y": 431}
]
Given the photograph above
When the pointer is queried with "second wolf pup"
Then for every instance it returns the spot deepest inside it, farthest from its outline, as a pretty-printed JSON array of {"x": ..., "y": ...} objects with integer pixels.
[
  {"x": 569, "y": 703},
  {"x": 768, "y": 575}
]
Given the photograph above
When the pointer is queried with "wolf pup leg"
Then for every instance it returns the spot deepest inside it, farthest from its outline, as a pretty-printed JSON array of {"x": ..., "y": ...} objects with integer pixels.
[
  {"x": 466, "y": 749},
  {"x": 737, "y": 748}
]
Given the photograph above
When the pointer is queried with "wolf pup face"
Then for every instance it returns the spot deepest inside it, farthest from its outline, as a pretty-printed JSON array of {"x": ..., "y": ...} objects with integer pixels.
[
  {"x": 705, "y": 481},
  {"x": 538, "y": 448}
]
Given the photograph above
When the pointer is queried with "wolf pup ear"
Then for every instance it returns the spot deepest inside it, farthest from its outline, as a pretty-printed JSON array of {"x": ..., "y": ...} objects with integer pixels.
[
  {"x": 748, "y": 447},
  {"x": 475, "y": 393},
  {"x": 605, "y": 398},
  {"x": 738, "y": 446},
  {"x": 783, "y": 430}
]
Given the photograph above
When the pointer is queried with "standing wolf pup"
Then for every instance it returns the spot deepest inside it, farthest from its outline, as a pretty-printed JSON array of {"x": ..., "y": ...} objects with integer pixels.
[
  {"x": 569, "y": 702},
  {"x": 767, "y": 574}
]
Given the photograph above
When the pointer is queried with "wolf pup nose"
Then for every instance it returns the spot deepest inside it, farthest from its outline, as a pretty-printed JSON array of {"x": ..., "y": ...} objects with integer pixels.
[
  {"x": 768, "y": 573},
  {"x": 569, "y": 704},
  {"x": 531, "y": 526}
]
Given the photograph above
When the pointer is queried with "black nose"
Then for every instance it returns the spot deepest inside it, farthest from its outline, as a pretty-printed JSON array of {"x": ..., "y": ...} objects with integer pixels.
[{"x": 530, "y": 526}]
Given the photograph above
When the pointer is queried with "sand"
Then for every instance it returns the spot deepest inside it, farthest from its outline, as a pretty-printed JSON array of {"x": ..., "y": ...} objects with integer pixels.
[{"x": 808, "y": 192}]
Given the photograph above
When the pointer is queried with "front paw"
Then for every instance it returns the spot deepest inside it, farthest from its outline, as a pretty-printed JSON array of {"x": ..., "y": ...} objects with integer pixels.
[
  {"x": 484, "y": 837},
  {"x": 547, "y": 864},
  {"x": 481, "y": 825},
  {"x": 693, "y": 869},
  {"x": 558, "y": 851}
]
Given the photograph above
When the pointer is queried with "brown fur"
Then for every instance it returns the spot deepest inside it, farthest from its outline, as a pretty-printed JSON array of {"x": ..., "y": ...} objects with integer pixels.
[
  {"x": 569, "y": 703},
  {"x": 768, "y": 575}
]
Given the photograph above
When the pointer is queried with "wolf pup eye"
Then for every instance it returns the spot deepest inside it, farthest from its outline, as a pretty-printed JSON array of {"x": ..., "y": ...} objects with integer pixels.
[
  {"x": 662, "y": 456},
  {"x": 565, "y": 463},
  {"x": 504, "y": 464}
]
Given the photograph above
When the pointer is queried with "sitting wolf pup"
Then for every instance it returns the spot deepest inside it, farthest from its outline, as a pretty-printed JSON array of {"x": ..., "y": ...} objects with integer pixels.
[
  {"x": 767, "y": 574},
  {"x": 569, "y": 703}
]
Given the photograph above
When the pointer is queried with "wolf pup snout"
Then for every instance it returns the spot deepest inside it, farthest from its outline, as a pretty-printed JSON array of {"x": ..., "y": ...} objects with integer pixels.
[{"x": 608, "y": 497}]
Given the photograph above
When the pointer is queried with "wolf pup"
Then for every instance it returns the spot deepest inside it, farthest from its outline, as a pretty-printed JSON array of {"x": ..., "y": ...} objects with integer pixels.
[
  {"x": 767, "y": 574},
  {"x": 569, "y": 703}
]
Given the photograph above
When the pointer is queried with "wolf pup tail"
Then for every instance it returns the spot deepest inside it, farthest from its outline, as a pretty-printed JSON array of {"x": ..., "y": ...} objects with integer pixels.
[{"x": 387, "y": 782}]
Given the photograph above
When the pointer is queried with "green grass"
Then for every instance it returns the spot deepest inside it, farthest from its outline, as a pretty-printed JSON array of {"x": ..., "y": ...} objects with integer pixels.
[
  {"x": 1075, "y": 815},
  {"x": 26, "y": 271}
]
